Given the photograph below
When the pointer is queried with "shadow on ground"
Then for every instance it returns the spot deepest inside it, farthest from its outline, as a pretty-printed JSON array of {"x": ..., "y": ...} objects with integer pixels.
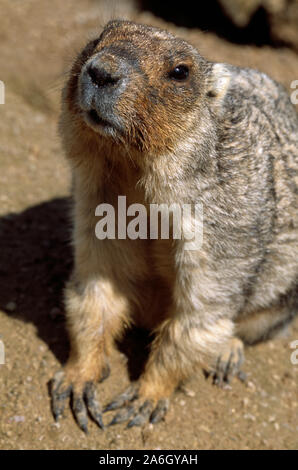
[{"x": 35, "y": 262}]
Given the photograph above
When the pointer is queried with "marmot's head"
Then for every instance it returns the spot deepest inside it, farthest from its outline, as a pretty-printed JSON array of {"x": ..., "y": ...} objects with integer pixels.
[{"x": 138, "y": 85}]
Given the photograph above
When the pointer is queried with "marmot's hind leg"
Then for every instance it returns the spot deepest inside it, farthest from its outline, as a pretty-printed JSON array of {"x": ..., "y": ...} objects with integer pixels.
[
  {"x": 267, "y": 323},
  {"x": 259, "y": 326}
]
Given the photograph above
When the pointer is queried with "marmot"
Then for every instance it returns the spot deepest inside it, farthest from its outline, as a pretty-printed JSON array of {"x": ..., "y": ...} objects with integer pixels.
[{"x": 145, "y": 116}]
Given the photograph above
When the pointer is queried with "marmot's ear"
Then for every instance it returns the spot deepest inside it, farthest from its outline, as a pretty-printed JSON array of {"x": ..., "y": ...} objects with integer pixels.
[{"x": 218, "y": 84}]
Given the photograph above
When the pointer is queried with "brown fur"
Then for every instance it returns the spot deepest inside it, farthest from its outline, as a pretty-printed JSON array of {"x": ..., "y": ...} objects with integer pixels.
[{"x": 226, "y": 137}]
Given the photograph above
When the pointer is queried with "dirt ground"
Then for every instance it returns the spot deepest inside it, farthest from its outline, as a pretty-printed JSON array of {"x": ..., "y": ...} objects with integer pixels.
[{"x": 38, "y": 39}]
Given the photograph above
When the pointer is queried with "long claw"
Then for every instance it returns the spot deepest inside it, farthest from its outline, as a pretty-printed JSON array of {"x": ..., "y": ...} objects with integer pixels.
[
  {"x": 160, "y": 411},
  {"x": 143, "y": 414},
  {"x": 128, "y": 395},
  {"x": 123, "y": 415},
  {"x": 59, "y": 401},
  {"x": 59, "y": 396},
  {"x": 228, "y": 364},
  {"x": 80, "y": 413},
  {"x": 233, "y": 366},
  {"x": 92, "y": 403}
]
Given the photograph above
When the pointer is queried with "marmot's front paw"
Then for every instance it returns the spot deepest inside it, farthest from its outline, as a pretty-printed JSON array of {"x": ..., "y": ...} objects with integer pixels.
[
  {"x": 83, "y": 399},
  {"x": 229, "y": 364},
  {"x": 136, "y": 409}
]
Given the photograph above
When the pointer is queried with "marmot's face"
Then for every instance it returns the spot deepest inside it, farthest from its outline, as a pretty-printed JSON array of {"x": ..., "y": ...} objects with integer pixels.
[{"x": 137, "y": 84}]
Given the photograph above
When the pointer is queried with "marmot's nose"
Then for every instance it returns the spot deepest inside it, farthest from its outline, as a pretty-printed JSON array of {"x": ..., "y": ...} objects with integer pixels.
[{"x": 100, "y": 77}]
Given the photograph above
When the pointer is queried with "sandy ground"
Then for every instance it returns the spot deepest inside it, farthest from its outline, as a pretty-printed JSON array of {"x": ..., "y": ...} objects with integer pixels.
[{"x": 38, "y": 39}]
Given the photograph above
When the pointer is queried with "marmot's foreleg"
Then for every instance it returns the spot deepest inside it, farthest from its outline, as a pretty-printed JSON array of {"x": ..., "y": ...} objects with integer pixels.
[{"x": 95, "y": 316}]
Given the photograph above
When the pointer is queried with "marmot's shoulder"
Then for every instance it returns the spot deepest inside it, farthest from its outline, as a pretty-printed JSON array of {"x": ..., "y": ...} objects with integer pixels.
[{"x": 250, "y": 88}]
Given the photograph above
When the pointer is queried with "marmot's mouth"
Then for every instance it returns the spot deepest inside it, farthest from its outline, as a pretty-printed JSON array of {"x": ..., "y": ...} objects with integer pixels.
[{"x": 95, "y": 119}]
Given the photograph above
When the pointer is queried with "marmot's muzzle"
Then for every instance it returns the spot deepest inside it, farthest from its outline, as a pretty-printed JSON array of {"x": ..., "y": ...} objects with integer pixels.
[{"x": 103, "y": 79}]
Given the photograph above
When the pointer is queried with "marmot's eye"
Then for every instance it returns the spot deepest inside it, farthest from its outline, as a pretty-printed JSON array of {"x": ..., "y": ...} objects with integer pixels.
[{"x": 180, "y": 72}]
